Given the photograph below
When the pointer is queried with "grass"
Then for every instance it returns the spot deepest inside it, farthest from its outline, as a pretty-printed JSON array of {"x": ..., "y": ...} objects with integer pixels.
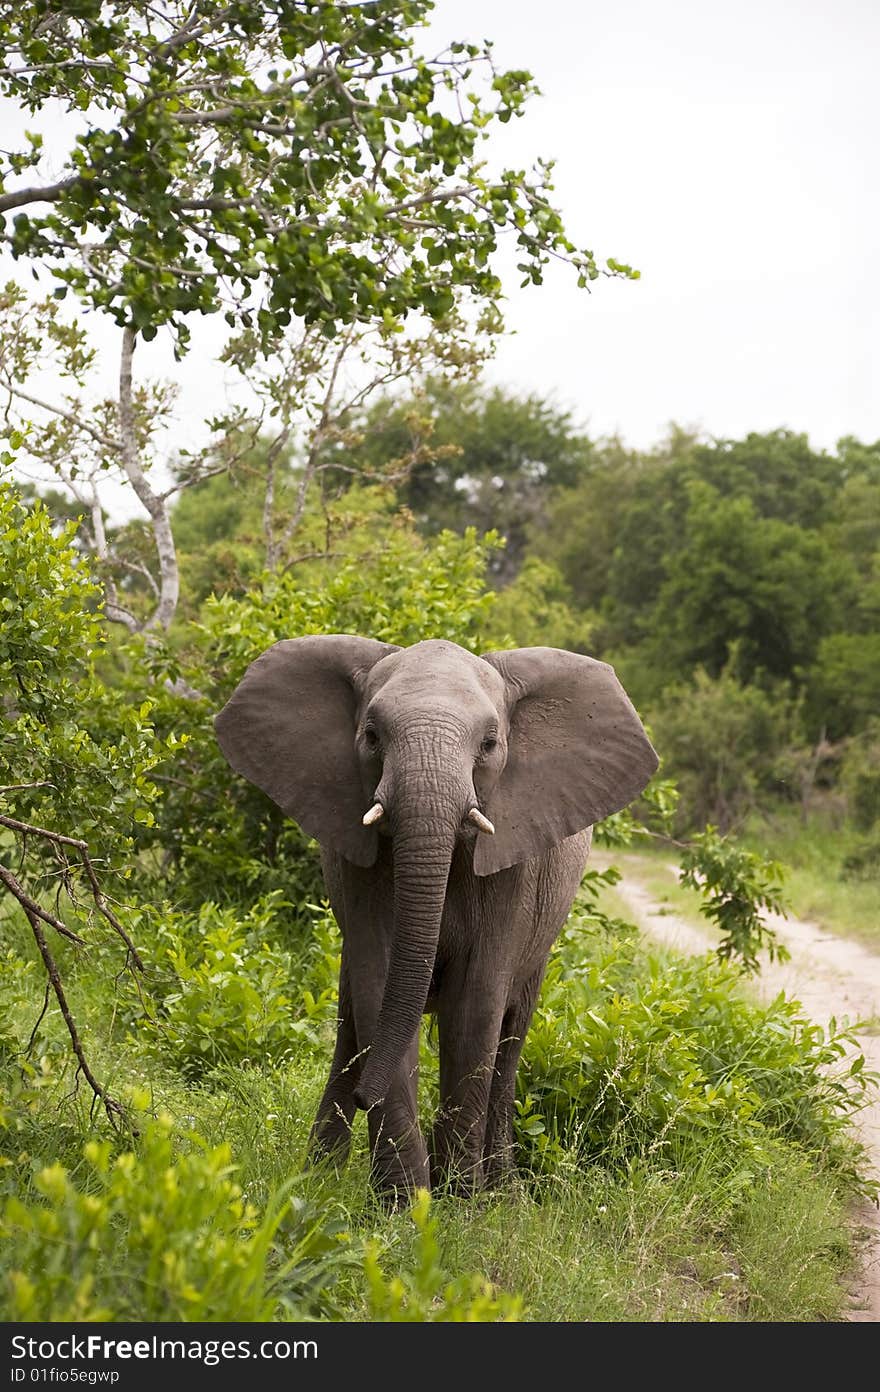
[
  {"x": 710, "y": 1231},
  {"x": 655, "y": 1244},
  {"x": 817, "y": 887}
]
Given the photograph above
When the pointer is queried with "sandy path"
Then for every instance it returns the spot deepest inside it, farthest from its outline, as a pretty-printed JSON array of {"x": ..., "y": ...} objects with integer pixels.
[{"x": 830, "y": 976}]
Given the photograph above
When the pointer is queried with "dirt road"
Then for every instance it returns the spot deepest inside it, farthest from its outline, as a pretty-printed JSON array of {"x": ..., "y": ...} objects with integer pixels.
[{"x": 831, "y": 977}]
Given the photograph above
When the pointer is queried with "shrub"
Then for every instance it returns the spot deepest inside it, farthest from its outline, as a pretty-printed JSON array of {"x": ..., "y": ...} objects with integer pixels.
[
  {"x": 860, "y": 776},
  {"x": 843, "y": 681},
  {"x": 536, "y": 609},
  {"x": 629, "y": 1057},
  {"x": 862, "y": 862},
  {"x": 150, "y": 1235},
  {"x": 75, "y": 757},
  {"x": 226, "y": 990},
  {"x": 719, "y": 740},
  {"x": 736, "y": 886},
  {"x": 424, "y": 1295}
]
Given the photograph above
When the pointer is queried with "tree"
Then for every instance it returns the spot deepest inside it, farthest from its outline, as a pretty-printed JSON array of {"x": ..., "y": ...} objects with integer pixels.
[
  {"x": 844, "y": 682},
  {"x": 293, "y": 163},
  {"x": 481, "y": 456},
  {"x": 770, "y": 587},
  {"x": 778, "y": 471},
  {"x": 721, "y": 740},
  {"x": 609, "y": 531},
  {"x": 275, "y": 158}
]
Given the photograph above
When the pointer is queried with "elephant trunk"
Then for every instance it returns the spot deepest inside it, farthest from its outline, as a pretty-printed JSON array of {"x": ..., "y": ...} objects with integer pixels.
[{"x": 424, "y": 832}]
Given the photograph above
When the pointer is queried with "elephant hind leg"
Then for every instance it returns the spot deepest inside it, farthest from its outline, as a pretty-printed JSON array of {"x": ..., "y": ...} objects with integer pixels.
[
  {"x": 498, "y": 1162},
  {"x": 469, "y": 1020}
]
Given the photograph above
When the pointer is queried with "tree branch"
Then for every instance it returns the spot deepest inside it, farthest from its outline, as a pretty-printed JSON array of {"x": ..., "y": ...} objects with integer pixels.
[
  {"x": 113, "y": 1109},
  {"x": 107, "y": 441},
  {"x": 48, "y": 194},
  {"x": 30, "y": 906},
  {"x": 28, "y": 829},
  {"x": 155, "y": 504}
]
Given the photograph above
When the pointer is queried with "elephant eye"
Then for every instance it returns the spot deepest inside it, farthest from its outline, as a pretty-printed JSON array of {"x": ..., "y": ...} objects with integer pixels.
[
  {"x": 371, "y": 739},
  {"x": 488, "y": 744}
]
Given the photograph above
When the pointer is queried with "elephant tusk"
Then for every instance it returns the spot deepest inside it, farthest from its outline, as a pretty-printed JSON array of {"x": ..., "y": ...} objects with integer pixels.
[
  {"x": 375, "y": 814},
  {"x": 476, "y": 816}
]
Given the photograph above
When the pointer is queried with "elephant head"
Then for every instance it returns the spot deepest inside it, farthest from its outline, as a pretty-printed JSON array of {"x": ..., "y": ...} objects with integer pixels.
[{"x": 355, "y": 739}]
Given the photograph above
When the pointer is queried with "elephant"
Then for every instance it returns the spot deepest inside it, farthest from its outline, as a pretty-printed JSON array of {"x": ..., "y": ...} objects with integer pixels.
[{"x": 453, "y": 798}]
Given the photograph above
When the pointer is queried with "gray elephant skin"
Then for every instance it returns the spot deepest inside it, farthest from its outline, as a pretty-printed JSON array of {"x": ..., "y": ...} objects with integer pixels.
[{"x": 453, "y": 798}]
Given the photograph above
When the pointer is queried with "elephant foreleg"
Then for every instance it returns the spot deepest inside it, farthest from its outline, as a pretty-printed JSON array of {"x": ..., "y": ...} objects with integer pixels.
[
  {"x": 331, "y": 1132},
  {"x": 363, "y": 901},
  {"x": 498, "y": 1145},
  {"x": 399, "y": 1157}
]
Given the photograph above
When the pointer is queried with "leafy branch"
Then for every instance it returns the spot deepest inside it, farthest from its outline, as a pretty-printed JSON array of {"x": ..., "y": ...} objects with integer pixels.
[
  {"x": 737, "y": 887},
  {"x": 37, "y": 915}
]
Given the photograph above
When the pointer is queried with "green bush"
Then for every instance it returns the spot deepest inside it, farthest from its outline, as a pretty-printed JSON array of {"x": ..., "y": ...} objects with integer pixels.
[
  {"x": 152, "y": 1234},
  {"x": 860, "y": 776},
  {"x": 75, "y": 757},
  {"x": 225, "y": 989},
  {"x": 843, "y": 681},
  {"x": 629, "y": 1057},
  {"x": 862, "y": 861},
  {"x": 736, "y": 886},
  {"x": 720, "y": 741},
  {"x": 536, "y": 609}
]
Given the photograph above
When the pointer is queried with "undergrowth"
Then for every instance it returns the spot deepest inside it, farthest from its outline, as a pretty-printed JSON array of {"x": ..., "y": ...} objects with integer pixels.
[{"x": 684, "y": 1153}]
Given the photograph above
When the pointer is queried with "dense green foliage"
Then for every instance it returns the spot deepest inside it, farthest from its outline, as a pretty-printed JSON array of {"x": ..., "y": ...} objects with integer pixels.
[
  {"x": 736, "y": 550},
  {"x": 645, "y": 1080},
  {"x": 277, "y": 158},
  {"x": 165, "y": 946},
  {"x": 80, "y": 753}
]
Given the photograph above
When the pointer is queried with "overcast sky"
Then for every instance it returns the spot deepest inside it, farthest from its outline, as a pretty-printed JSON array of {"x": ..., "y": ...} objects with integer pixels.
[{"x": 730, "y": 153}]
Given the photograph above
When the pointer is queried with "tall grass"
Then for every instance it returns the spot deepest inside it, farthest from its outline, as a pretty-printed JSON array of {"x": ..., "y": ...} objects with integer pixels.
[
  {"x": 819, "y": 885},
  {"x": 683, "y": 1155}
]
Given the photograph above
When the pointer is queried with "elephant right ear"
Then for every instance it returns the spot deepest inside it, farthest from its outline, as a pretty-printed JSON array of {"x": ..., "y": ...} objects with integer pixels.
[{"x": 289, "y": 727}]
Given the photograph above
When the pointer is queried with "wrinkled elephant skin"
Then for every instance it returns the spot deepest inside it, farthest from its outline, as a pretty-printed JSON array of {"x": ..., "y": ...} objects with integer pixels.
[{"x": 453, "y": 797}]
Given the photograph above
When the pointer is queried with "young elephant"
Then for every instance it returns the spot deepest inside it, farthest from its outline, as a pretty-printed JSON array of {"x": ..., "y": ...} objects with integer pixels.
[{"x": 453, "y": 798}]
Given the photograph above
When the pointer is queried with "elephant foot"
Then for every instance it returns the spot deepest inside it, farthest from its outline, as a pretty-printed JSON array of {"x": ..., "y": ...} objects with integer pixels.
[
  {"x": 399, "y": 1168},
  {"x": 330, "y": 1137},
  {"x": 395, "y": 1188},
  {"x": 500, "y": 1176},
  {"x": 456, "y": 1170},
  {"x": 499, "y": 1166}
]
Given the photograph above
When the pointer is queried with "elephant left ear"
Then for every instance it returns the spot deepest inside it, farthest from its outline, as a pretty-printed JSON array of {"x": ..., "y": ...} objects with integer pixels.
[{"x": 577, "y": 751}]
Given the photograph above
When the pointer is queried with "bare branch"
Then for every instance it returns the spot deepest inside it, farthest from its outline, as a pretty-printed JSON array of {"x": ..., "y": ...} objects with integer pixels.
[
  {"x": 155, "y": 504},
  {"x": 30, "y": 906},
  {"x": 195, "y": 478},
  {"x": 317, "y": 439},
  {"x": 138, "y": 569},
  {"x": 113, "y": 1109},
  {"x": 49, "y": 194},
  {"x": 107, "y": 441},
  {"x": 28, "y": 829}
]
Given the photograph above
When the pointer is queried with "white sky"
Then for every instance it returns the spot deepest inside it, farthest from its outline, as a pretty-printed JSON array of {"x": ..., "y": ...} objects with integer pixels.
[{"x": 730, "y": 153}]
